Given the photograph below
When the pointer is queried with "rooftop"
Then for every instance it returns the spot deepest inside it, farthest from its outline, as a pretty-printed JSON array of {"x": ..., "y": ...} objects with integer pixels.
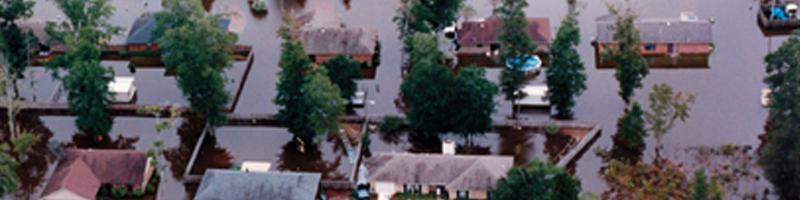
[
  {"x": 346, "y": 41},
  {"x": 459, "y": 172},
  {"x": 485, "y": 31},
  {"x": 228, "y": 184},
  {"x": 658, "y": 30},
  {"x": 145, "y": 24},
  {"x": 83, "y": 171}
]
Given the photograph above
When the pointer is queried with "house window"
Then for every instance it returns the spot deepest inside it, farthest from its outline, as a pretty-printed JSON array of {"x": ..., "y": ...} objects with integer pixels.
[
  {"x": 650, "y": 47},
  {"x": 417, "y": 189},
  {"x": 462, "y": 194},
  {"x": 671, "y": 48},
  {"x": 406, "y": 188},
  {"x": 480, "y": 45}
]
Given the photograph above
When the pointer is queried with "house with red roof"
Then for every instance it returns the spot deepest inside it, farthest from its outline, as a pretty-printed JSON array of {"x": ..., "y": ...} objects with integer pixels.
[
  {"x": 82, "y": 173},
  {"x": 477, "y": 42}
]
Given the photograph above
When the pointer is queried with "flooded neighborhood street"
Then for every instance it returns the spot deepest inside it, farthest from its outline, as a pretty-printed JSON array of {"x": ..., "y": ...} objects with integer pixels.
[{"x": 727, "y": 109}]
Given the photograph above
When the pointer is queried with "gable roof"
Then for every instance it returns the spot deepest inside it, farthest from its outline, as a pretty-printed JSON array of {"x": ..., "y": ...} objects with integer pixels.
[
  {"x": 229, "y": 184},
  {"x": 75, "y": 177},
  {"x": 456, "y": 172},
  {"x": 83, "y": 171},
  {"x": 144, "y": 25},
  {"x": 346, "y": 41},
  {"x": 659, "y": 30},
  {"x": 485, "y": 31}
]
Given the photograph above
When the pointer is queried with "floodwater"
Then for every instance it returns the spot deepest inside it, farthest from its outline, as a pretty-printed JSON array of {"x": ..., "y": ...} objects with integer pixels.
[{"x": 727, "y": 110}]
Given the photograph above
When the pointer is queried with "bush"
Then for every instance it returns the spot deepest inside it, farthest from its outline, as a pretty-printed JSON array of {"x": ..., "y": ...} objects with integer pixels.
[
  {"x": 259, "y": 6},
  {"x": 138, "y": 192},
  {"x": 119, "y": 192},
  {"x": 391, "y": 124},
  {"x": 552, "y": 128}
]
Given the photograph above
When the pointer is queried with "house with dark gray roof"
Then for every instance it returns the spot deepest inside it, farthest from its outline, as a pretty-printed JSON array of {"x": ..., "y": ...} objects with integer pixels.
[
  {"x": 229, "y": 184},
  {"x": 684, "y": 42},
  {"x": 140, "y": 36},
  {"x": 446, "y": 175}
]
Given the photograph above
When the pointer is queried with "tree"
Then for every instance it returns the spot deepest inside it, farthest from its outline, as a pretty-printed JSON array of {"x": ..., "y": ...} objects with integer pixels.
[
  {"x": 537, "y": 180},
  {"x": 661, "y": 179},
  {"x": 515, "y": 44},
  {"x": 84, "y": 35},
  {"x": 566, "y": 78},
  {"x": 474, "y": 98},
  {"x": 426, "y": 89},
  {"x": 780, "y": 155},
  {"x": 665, "y": 108},
  {"x": 17, "y": 43},
  {"x": 343, "y": 71},
  {"x": 325, "y": 101},
  {"x": 426, "y": 16},
  {"x": 199, "y": 51},
  {"x": 700, "y": 186},
  {"x": 631, "y": 66},
  {"x": 8, "y": 174},
  {"x": 629, "y": 140}
]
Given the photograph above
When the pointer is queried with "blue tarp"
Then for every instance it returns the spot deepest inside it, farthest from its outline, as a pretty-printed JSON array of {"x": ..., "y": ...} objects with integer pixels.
[{"x": 777, "y": 13}]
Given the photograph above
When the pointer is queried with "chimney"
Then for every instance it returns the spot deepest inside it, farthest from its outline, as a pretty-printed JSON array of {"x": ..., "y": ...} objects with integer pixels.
[{"x": 448, "y": 147}]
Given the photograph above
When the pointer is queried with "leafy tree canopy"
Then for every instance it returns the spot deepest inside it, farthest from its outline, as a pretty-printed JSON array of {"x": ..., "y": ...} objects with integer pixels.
[
  {"x": 537, "y": 181},
  {"x": 343, "y": 71},
  {"x": 426, "y": 16},
  {"x": 631, "y": 66},
  {"x": 566, "y": 77}
]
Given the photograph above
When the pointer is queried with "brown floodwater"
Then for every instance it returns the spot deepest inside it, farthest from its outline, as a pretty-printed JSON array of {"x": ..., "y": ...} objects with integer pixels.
[{"x": 727, "y": 109}]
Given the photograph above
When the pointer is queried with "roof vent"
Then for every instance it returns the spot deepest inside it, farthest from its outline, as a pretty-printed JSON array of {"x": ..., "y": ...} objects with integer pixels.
[
  {"x": 688, "y": 17},
  {"x": 448, "y": 147}
]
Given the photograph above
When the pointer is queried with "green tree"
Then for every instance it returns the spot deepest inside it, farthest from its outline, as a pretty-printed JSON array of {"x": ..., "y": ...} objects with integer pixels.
[
  {"x": 535, "y": 181},
  {"x": 8, "y": 174},
  {"x": 631, "y": 66},
  {"x": 343, "y": 71},
  {"x": 426, "y": 16},
  {"x": 629, "y": 140},
  {"x": 474, "y": 98},
  {"x": 294, "y": 64},
  {"x": 426, "y": 89},
  {"x": 325, "y": 100},
  {"x": 662, "y": 179},
  {"x": 199, "y": 51},
  {"x": 84, "y": 35},
  {"x": 566, "y": 78},
  {"x": 701, "y": 190},
  {"x": 18, "y": 43},
  {"x": 666, "y": 107},
  {"x": 780, "y": 155},
  {"x": 515, "y": 45}
]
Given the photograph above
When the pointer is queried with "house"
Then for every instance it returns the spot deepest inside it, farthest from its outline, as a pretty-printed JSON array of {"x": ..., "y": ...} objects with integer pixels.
[
  {"x": 685, "y": 42},
  {"x": 229, "y": 184},
  {"x": 140, "y": 37},
  {"x": 360, "y": 44},
  {"x": 446, "y": 175},
  {"x": 82, "y": 173},
  {"x": 477, "y": 42}
]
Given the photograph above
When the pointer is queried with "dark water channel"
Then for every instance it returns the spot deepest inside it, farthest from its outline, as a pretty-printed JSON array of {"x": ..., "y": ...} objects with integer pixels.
[{"x": 727, "y": 109}]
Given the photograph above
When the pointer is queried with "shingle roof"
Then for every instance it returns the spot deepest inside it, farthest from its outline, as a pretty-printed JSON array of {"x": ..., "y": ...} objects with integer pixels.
[
  {"x": 83, "y": 171},
  {"x": 228, "y": 184},
  {"x": 660, "y": 30},
  {"x": 485, "y": 32},
  {"x": 144, "y": 25},
  {"x": 458, "y": 172},
  {"x": 346, "y": 41}
]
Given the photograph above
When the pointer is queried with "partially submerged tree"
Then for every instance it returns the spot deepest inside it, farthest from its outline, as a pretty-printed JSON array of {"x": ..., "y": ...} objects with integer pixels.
[
  {"x": 629, "y": 141},
  {"x": 84, "y": 35},
  {"x": 662, "y": 179},
  {"x": 326, "y": 103},
  {"x": 294, "y": 64},
  {"x": 8, "y": 174},
  {"x": 426, "y": 16},
  {"x": 666, "y": 107},
  {"x": 515, "y": 45},
  {"x": 343, "y": 71},
  {"x": 780, "y": 155},
  {"x": 537, "y": 181},
  {"x": 566, "y": 78},
  {"x": 426, "y": 89},
  {"x": 630, "y": 64},
  {"x": 474, "y": 98},
  {"x": 199, "y": 51},
  {"x": 17, "y": 43}
]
